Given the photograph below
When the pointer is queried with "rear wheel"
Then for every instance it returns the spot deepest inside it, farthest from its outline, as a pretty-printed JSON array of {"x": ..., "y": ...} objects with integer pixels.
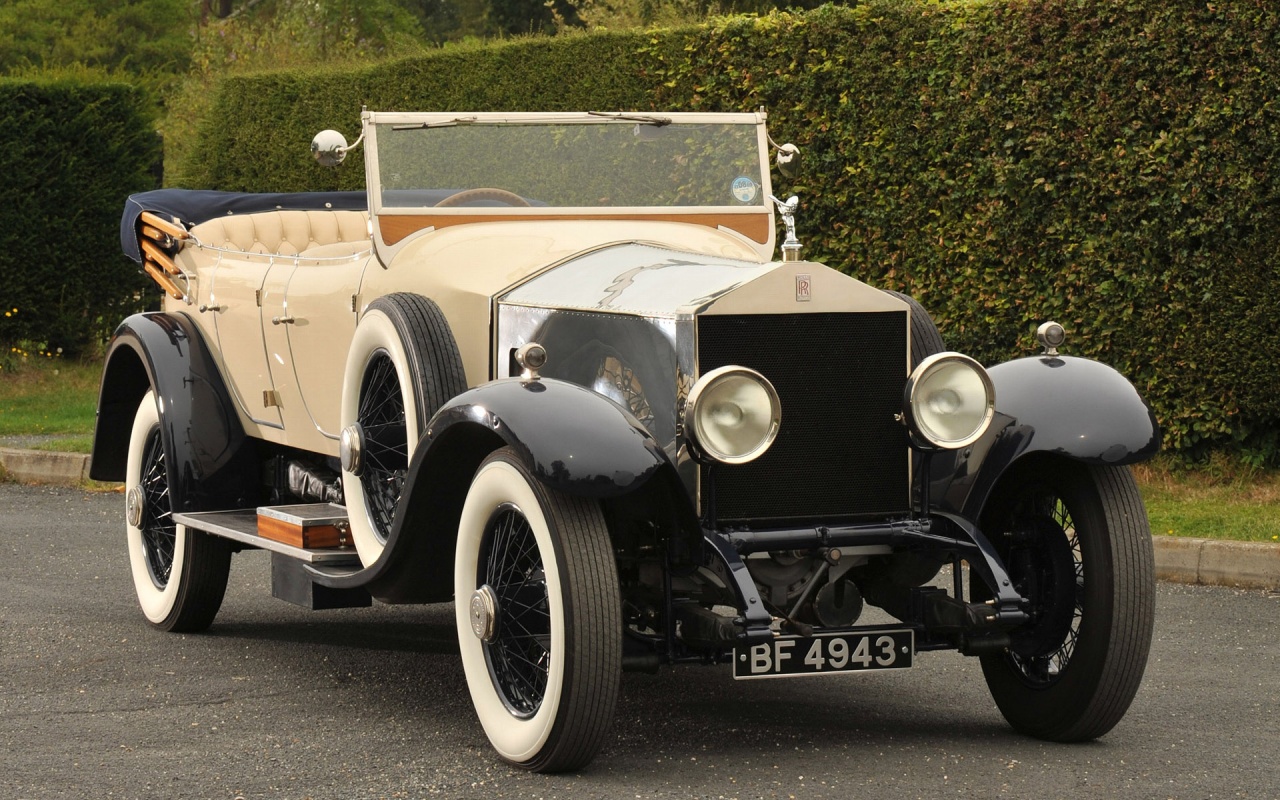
[
  {"x": 179, "y": 575},
  {"x": 539, "y": 617},
  {"x": 1076, "y": 543}
]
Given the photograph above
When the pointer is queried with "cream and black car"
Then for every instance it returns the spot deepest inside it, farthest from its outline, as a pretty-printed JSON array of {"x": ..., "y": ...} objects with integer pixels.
[{"x": 549, "y": 369}]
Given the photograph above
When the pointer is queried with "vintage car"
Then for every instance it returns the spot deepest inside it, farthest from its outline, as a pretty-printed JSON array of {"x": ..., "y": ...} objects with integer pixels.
[{"x": 548, "y": 369}]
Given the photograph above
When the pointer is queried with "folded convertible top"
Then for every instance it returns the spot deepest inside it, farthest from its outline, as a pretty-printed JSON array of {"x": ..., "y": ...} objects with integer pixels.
[{"x": 193, "y": 206}]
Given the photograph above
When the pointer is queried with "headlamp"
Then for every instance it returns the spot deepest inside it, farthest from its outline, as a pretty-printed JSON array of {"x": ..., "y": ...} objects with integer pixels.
[
  {"x": 949, "y": 401},
  {"x": 732, "y": 415}
]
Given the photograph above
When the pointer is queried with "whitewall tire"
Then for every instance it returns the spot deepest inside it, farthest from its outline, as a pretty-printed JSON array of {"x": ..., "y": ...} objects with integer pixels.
[
  {"x": 402, "y": 365},
  {"x": 179, "y": 576},
  {"x": 539, "y": 617}
]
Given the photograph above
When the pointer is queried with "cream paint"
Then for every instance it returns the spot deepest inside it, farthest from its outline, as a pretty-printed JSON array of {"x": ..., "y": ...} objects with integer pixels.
[
  {"x": 460, "y": 268},
  {"x": 302, "y": 361},
  {"x": 470, "y": 264},
  {"x": 828, "y": 291}
]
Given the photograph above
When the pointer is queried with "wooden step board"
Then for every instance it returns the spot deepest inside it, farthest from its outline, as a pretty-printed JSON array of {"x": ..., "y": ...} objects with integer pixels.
[
  {"x": 282, "y": 534},
  {"x": 311, "y": 525}
]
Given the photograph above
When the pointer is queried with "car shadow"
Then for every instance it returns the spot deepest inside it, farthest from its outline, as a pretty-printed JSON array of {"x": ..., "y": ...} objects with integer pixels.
[
  {"x": 376, "y": 636},
  {"x": 698, "y": 705}
]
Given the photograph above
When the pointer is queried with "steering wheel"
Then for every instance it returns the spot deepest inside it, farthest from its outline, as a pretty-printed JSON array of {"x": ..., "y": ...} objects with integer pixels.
[{"x": 468, "y": 195}]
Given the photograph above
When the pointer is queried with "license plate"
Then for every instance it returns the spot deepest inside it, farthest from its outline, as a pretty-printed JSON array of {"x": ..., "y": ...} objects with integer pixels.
[{"x": 824, "y": 654}]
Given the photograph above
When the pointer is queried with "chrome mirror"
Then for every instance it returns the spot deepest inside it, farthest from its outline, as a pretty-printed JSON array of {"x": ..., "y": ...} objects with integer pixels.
[
  {"x": 329, "y": 148},
  {"x": 787, "y": 160}
]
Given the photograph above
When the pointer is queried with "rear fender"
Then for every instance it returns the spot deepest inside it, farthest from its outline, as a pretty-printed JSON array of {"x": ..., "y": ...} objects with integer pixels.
[{"x": 210, "y": 460}]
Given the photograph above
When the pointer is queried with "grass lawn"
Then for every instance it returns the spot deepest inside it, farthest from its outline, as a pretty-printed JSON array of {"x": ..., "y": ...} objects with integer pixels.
[
  {"x": 1213, "y": 503},
  {"x": 53, "y": 397},
  {"x": 1223, "y": 501},
  {"x": 66, "y": 444}
]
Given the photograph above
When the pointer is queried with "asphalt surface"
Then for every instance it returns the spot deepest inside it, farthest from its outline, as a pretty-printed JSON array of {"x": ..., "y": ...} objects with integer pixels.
[{"x": 277, "y": 701}]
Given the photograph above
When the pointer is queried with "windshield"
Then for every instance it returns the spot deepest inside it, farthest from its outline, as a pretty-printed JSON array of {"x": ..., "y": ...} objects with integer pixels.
[{"x": 635, "y": 162}]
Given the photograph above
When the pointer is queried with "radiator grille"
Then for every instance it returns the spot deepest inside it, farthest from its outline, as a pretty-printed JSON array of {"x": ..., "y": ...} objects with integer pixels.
[{"x": 840, "y": 454}]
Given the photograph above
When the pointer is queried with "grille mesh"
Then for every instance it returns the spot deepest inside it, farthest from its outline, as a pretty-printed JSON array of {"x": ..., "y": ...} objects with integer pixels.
[{"x": 839, "y": 453}]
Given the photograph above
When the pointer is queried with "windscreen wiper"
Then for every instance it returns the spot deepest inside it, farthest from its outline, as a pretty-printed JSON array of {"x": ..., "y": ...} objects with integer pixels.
[
  {"x": 444, "y": 123},
  {"x": 643, "y": 119}
]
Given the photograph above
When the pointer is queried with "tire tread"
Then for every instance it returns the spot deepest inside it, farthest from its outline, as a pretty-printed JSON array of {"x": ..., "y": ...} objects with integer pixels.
[
  {"x": 1088, "y": 702},
  {"x": 594, "y": 667},
  {"x": 926, "y": 339},
  {"x": 431, "y": 348},
  {"x": 205, "y": 569}
]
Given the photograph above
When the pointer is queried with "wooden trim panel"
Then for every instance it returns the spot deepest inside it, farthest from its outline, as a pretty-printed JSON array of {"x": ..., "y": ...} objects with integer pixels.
[
  {"x": 300, "y": 534},
  {"x": 395, "y": 227},
  {"x": 154, "y": 253},
  {"x": 158, "y": 275}
]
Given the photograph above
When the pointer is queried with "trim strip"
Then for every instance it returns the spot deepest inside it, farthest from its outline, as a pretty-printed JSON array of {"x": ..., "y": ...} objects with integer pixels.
[{"x": 395, "y": 227}]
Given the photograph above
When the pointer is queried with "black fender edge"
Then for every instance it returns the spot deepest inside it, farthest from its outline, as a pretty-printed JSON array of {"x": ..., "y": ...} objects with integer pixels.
[
  {"x": 572, "y": 439},
  {"x": 210, "y": 461},
  {"x": 1070, "y": 407}
]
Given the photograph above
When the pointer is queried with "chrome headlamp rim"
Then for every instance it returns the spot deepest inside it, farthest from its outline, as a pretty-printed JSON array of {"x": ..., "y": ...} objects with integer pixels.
[
  {"x": 919, "y": 432},
  {"x": 708, "y": 454}
]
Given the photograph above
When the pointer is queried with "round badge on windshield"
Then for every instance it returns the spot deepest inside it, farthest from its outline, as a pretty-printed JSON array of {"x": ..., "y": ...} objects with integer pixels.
[{"x": 744, "y": 189}]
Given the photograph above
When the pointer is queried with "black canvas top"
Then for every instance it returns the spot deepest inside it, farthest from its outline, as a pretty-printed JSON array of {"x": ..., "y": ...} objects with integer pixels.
[{"x": 194, "y": 206}]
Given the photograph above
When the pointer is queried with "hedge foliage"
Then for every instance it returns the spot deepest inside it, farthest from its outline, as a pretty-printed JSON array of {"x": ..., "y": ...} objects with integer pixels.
[
  {"x": 74, "y": 149},
  {"x": 258, "y": 131},
  {"x": 1111, "y": 164}
]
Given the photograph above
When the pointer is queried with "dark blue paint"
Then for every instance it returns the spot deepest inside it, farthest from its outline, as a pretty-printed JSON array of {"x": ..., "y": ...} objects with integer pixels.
[
  {"x": 210, "y": 460},
  {"x": 1078, "y": 408},
  {"x": 574, "y": 440}
]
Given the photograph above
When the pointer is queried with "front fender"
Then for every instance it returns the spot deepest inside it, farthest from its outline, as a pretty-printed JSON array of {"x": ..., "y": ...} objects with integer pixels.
[
  {"x": 1072, "y": 407},
  {"x": 572, "y": 439},
  {"x": 1078, "y": 408},
  {"x": 209, "y": 458}
]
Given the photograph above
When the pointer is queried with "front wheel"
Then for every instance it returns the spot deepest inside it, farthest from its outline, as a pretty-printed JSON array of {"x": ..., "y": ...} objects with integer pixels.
[
  {"x": 1076, "y": 542},
  {"x": 539, "y": 617},
  {"x": 179, "y": 575}
]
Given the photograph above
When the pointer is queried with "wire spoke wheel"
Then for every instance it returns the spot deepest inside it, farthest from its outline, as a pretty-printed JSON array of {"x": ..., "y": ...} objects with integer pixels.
[
  {"x": 519, "y": 656},
  {"x": 539, "y": 617},
  {"x": 1075, "y": 541},
  {"x": 1042, "y": 552},
  {"x": 382, "y": 417},
  {"x": 159, "y": 533},
  {"x": 179, "y": 575}
]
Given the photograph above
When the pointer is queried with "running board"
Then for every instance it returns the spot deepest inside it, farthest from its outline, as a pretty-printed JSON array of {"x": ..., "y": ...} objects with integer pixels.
[
  {"x": 290, "y": 578},
  {"x": 242, "y": 526}
]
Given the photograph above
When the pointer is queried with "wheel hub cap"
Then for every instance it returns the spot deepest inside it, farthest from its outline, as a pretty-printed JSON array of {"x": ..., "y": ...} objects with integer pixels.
[
  {"x": 484, "y": 613},
  {"x": 351, "y": 449},
  {"x": 133, "y": 506}
]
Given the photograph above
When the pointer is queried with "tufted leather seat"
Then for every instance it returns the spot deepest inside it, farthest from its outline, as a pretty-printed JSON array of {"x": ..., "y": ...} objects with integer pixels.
[{"x": 288, "y": 233}]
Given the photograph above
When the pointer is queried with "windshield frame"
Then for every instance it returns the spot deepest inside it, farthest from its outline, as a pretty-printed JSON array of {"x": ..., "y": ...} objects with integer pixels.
[{"x": 753, "y": 221}]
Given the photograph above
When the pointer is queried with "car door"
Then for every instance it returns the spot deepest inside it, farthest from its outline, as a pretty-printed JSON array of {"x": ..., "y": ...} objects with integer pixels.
[
  {"x": 236, "y": 291},
  {"x": 309, "y": 319}
]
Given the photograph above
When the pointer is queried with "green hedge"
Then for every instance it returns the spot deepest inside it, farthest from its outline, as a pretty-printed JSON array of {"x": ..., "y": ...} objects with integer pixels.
[
  {"x": 1108, "y": 164},
  {"x": 74, "y": 149},
  {"x": 257, "y": 134}
]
